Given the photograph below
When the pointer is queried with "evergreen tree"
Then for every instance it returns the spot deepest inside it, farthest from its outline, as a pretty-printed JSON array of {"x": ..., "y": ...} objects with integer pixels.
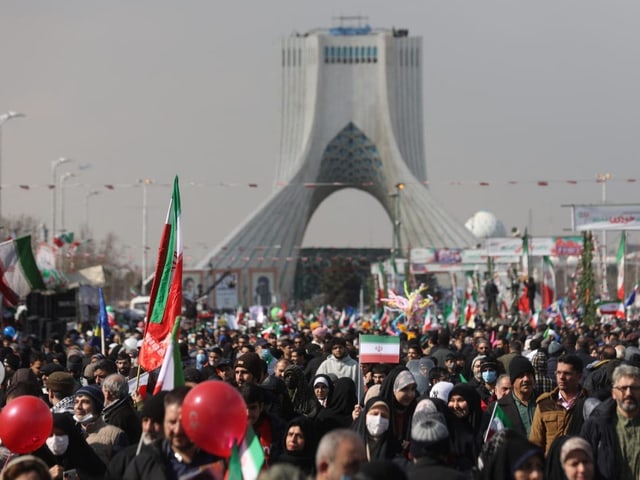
[{"x": 586, "y": 281}]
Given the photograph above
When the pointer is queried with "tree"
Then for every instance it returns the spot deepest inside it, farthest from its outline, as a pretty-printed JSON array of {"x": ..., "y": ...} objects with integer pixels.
[
  {"x": 586, "y": 280},
  {"x": 341, "y": 284}
]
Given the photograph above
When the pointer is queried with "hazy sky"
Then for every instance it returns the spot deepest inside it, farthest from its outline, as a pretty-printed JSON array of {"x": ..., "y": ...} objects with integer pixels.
[{"x": 513, "y": 91}]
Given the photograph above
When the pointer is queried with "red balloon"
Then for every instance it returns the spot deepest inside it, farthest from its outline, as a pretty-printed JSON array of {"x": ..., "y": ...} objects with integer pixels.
[
  {"x": 214, "y": 417},
  {"x": 25, "y": 424}
]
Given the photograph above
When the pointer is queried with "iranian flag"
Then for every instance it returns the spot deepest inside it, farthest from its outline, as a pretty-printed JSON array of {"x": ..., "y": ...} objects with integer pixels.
[
  {"x": 548, "y": 282},
  {"x": 379, "y": 349},
  {"x": 525, "y": 254},
  {"x": 19, "y": 273},
  {"x": 171, "y": 373},
  {"x": 620, "y": 263},
  {"x": 470, "y": 307},
  {"x": 499, "y": 421},
  {"x": 246, "y": 461},
  {"x": 165, "y": 302}
]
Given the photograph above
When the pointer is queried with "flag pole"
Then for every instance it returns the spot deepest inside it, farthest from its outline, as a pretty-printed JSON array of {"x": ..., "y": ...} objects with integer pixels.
[
  {"x": 102, "y": 340},
  {"x": 493, "y": 414}
]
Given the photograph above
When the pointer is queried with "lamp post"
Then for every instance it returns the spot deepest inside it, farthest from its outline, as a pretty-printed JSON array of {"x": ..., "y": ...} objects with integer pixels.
[
  {"x": 602, "y": 178},
  {"x": 87, "y": 196},
  {"x": 4, "y": 118},
  {"x": 63, "y": 178},
  {"x": 54, "y": 186},
  {"x": 145, "y": 183},
  {"x": 397, "y": 245}
]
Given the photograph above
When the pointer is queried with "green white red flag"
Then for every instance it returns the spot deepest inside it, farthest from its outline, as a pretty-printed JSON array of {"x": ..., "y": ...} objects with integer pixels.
[
  {"x": 165, "y": 302},
  {"x": 171, "y": 372},
  {"x": 247, "y": 460},
  {"x": 379, "y": 349},
  {"x": 525, "y": 255},
  {"x": 498, "y": 421},
  {"x": 548, "y": 282},
  {"x": 620, "y": 262},
  {"x": 19, "y": 273}
]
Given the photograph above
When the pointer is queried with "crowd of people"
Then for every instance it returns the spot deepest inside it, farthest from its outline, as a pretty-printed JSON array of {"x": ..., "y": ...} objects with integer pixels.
[{"x": 493, "y": 402}]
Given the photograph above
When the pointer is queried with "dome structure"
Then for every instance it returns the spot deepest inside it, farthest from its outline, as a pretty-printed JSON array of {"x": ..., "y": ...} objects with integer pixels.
[{"x": 485, "y": 225}]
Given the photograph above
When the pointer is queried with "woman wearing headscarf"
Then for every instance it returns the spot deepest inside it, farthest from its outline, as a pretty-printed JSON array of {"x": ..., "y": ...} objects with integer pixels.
[
  {"x": 399, "y": 391},
  {"x": 337, "y": 413},
  {"x": 373, "y": 426},
  {"x": 322, "y": 389},
  {"x": 66, "y": 449},
  {"x": 301, "y": 394},
  {"x": 510, "y": 456},
  {"x": 570, "y": 458},
  {"x": 465, "y": 429},
  {"x": 300, "y": 445}
]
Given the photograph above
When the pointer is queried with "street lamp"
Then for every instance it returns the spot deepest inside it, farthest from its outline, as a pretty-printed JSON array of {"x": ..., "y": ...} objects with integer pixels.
[
  {"x": 87, "y": 196},
  {"x": 63, "y": 178},
  {"x": 54, "y": 186},
  {"x": 145, "y": 183},
  {"x": 602, "y": 178},
  {"x": 4, "y": 118}
]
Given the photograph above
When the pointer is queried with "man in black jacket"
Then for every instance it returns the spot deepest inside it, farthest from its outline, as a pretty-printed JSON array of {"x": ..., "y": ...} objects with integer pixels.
[
  {"x": 614, "y": 426},
  {"x": 118, "y": 410},
  {"x": 519, "y": 405},
  {"x": 175, "y": 455}
]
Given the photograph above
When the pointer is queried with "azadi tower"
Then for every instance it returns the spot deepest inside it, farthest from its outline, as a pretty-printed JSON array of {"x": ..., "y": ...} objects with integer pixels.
[{"x": 351, "y": 118}]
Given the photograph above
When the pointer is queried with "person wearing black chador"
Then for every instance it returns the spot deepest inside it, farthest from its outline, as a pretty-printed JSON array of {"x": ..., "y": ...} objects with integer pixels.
[
  {"x": 66, "y": 449},
  {"x": 300, "y": 445},
  {"x": 372, "y": 425}
]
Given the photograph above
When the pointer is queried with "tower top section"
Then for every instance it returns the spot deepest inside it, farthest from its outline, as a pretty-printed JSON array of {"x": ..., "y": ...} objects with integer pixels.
[{"x": 353, "y": 26}]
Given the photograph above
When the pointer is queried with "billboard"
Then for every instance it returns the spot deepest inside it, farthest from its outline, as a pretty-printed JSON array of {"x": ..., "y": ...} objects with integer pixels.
[{"x": 606, "y": 217}]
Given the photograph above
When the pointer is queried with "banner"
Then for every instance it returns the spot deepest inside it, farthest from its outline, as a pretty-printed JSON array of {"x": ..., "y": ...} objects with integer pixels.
[{"x": 606, "y": 217}]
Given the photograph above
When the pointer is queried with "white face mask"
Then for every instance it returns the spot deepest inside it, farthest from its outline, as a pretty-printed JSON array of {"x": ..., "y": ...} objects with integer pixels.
[
  {"x": 377, "y": 425},
  {"x": 58, "y": 444},
  {"x": 88, "y": 418}
]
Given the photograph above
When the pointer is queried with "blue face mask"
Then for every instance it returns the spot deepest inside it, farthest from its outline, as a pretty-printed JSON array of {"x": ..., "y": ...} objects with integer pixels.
[
  {"x": 489, "y": 376},
  {"x": 201, "y": 358}
]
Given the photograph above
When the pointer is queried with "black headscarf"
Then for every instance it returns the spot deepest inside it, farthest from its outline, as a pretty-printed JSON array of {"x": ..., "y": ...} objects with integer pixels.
[
  {"x": 79, "y": 454},
  {"x": 305, "y": 458},
  {"x": 383, "y": 447},
  {"x": 329, "y": 383},
  {"x": 337, "y": 414},
  {"x": 465, "y": 432},
  {"x": 504, "y": 454}
]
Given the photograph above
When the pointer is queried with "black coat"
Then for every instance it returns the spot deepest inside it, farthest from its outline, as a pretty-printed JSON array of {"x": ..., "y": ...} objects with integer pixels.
[
  {"x": 508, "y": 406},
  {"x": 122, "y": 415},
  {"x": 427, "y": 467},
  {"x": 600, "y": 431}
]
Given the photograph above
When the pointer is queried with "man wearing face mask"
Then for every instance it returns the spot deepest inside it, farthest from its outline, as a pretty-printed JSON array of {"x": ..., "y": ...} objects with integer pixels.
[
  {"x": 373, "y": 426},
  {"x": 106, "y": 440},
  {"x": 489, "y": 375}
]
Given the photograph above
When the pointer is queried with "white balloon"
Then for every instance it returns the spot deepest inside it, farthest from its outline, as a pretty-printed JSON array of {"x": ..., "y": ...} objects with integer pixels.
[
  {"x": 1, "y": 372},
  {"x": 485, "y": 225}
]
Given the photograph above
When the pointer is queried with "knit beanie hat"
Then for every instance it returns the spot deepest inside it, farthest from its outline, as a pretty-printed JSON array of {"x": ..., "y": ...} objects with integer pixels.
[
  {"x": 251, "y": 361},
  {"x": 95, "y": 394},
  {"x": 477, "y": 359},
  {"x": 154, "y": 407},
  {"x": 428, "y": 432},
  {"x": 519, "y": 366}
]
